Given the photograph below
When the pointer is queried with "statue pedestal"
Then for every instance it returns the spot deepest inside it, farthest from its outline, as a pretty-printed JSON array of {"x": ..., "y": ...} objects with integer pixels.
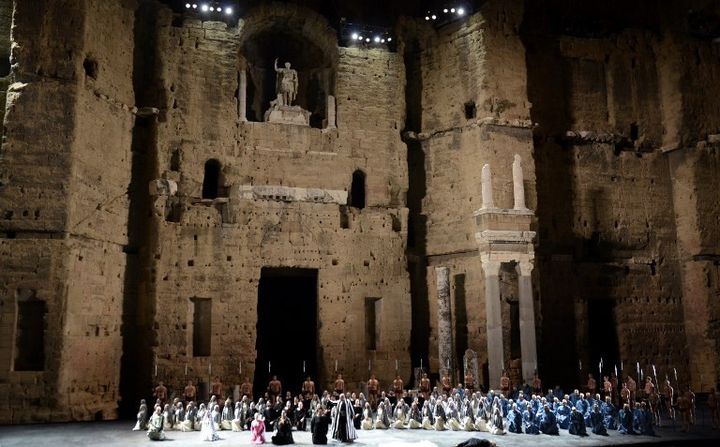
[{"x": 288, "y": 115}]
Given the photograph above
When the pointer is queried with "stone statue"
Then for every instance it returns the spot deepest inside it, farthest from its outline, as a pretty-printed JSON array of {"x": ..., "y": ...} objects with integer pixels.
[
  {"x": 487, "y": 190},
  {"x": 287, "y": 83},
  {"x": 518, "y": 186}
]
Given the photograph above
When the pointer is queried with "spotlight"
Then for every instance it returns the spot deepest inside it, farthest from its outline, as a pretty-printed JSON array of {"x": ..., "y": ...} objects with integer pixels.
[
  {"x": 360, "y": 38},
  {"x": 452, "y": 9},
  {"x": 427, "y": 17},
  {"x": 204, "y": 8},
  {"x": 377, "y": 39},
  {"x": 389, "y": 39},
  {"x": 187, "y": 5},
  {"x": 434, "y": 17},
  {"x": 367, "y": 39},
  {"x": 383, "y": 41},
  {"x": 461, "y": 12},
  {"x": 228, "y": 11},
  {"x": 212, "y": 9},
  {"x": 194, "y": 5},
  {"x": 445, "y": 10},
  {"x": 355, "y": 36}
]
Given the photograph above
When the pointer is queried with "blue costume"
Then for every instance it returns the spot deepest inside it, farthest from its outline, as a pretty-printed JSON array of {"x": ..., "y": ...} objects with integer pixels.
[
  {"x": 563, "y": 416},
  {"x": 577, "y": 424},
  {"x": 626, "y": 422},
  {"x": 515, "y": 421},
  {"x": 608, "y": 411},
  {"x": 530, "y": 423},
  {"x": 548, "y": 422},
  {"x": 646, "y": 422}
]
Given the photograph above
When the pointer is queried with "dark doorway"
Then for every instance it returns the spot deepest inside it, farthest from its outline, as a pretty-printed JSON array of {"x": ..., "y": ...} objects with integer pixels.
[
  {"x": 357, "y": 190},
  {"x": 286, "y": 327},
  {"x": 211, "y": 181},
  {"x": 602, "y": 336}
]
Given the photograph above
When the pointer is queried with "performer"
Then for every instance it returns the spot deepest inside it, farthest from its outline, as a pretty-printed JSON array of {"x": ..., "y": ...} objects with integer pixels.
[
  {"x": 190, "y": 415},
  {"x": 591, "y": 384},
  {"x": 190, "y": 392},
  {"x": 626, "y": 421},
  {"x": 308, "y": 390},
  {"x": 358, "y": 410},
  {"x": 577, "y": 423},
  {"x": 283, "y": 436},
  {"x": 505, "y": 384},
  {"x": 398, "y": 388},
  {"x": 548, "y": 422},
  {"x": 209, "y": 426},
  {"x": 160, "y": 393},
  {"x": 156, "y": 425},
  {"x": 690, "y": 396},
  {"x": 382, "y": 420},
  {"x": 257, "y": 430},
  {"x": 496, "y": 420},
  {"x": 607, "y": 386},
  {"x": 367, "y": 422},
  {"x": 530, "y": 422},
  {"x": 141, "y": 421},
  {"x": 342, "y": 426},
  {"x": 515, "y": 420},
  {"x": 469, "y": 382},
  {"x": 428, "y": 420},
  {"x": 683, "y": 405},
  {"x": 339, "y": 385},
  {"x": 227, "y": 415},
  {"x": 274, "y": 389},
  {"x": 632, "y": 387},
  {"x": 649, "y": 387},
  {"x": 373, "y": 386},
  {"x": 246, "y": 389},
  {"x": 668, "y": 394},
  {"x": 425, "y": 387},
  {"x": 439, "y": 415},
  {"x": 216, "y": 388},
  {"x": 625, "y": 394},
  {"x": 537, "y": 384},
  {"x": 597, "y": 424},
  {"x": 319, "y": 426},
  {"x": 446, "y": 385}
]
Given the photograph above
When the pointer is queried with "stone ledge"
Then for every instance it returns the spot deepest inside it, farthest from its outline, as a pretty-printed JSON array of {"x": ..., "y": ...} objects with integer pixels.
[{"x": 290, "y": 194}]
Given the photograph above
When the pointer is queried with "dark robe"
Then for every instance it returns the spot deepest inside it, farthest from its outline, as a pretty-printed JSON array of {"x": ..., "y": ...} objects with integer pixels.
[
  {"x": 357, "y": 419},
  {"x": 597, "y": 424},
  {"x": 577, "y": 424},
  {"x": 530, "y": 423},
  {"x": 342, "y": 425},
  {"x": 548, "y": 423},
  {"x": 476, "y": 442},
  {"x": 319, "y": 427},
  {"x": 626, "y": 422},
  {"x": 300, "y": 419},
  {"x": 515, "y": 421},
  {"x": 284, "y": 433}
]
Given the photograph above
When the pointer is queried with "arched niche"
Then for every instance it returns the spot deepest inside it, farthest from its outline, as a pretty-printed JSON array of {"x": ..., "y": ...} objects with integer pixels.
[{"x": 291, "y": 34}]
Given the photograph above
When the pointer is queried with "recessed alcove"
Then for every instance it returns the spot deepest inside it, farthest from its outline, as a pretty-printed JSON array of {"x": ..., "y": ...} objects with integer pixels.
[{"x": 299, "y": 38}]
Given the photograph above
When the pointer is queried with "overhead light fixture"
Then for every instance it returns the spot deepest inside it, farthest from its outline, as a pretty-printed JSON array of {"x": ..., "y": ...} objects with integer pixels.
[
  {"x": 434, "y": 17},
  {"x": 355, "y": 36},
  {"x": 228, "y": 10},
  {"x": 204, "y": 8},
  {"x": 461, "y": 12}
]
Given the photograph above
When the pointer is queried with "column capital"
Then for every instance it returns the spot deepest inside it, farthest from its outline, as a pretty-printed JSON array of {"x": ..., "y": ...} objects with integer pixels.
[
  {"x": 525, "y": 266},
  {"x": 491, "y": 267}
]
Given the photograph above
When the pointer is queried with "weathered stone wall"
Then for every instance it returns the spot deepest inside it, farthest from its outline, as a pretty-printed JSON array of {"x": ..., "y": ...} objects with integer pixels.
[
  {"x": 65, "y": 175},
  {"x": 480, "y": 60},
  {"x": 217, "y": 249}
]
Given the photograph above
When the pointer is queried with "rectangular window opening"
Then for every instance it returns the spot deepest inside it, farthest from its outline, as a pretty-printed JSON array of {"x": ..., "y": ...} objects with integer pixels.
[
  {"x": 202, "y": 327},
  {"x": 30, "y": 332},
  {"x": 372, "y": 323}
]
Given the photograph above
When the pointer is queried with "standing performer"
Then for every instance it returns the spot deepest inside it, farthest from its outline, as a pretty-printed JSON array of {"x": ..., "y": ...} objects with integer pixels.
[
  {"x": 607, "y": 386},
  {"x": 398, "y": 388},
  {"x": 339, "y": 385},
  {"x": 319, "y": 426},
  {"x": 246, "y": 389},
  {"x": 190, "y": 392},
  {"x": 160, "y": 393},
  {"x": 446, "y": 385},
  {"x": 373, "y": 385},
  {"x": 591, "y": 384},
  {"x": 469, "y": 382},
  {"x": 274, "y": 389},
  {"x": 342, "y": 424},
  {"x": 537, "y": 384},
  {"x": 632, "y": 387},
  {"x": 425, "y": 387},
  {"x": 667, "y": 398},
  {"x": 505, "y": 384},
  {"x": 308, "y": 390}
]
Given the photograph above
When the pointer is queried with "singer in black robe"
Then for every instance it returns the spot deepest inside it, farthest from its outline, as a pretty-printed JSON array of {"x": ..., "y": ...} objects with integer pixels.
[
  {"x": 342, "y": 425},
  {"x": 319, "y": 426}
]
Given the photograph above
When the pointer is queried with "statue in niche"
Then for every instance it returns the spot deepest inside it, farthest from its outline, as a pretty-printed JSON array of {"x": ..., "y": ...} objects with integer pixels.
[
  {"x": 286, "y": 85},
  {"x": 286, "y": 89}
]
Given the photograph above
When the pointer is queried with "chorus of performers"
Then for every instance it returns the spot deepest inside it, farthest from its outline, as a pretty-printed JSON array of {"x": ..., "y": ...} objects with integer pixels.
[{"x": 340, "y": 413}]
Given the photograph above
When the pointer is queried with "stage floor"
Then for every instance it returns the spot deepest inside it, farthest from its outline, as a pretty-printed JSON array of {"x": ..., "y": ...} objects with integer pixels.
[{"x": 117, "y": 434}]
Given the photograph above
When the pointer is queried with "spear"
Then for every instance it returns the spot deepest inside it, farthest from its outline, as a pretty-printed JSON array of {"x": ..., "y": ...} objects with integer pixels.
[{"x": 655, "y": 374}]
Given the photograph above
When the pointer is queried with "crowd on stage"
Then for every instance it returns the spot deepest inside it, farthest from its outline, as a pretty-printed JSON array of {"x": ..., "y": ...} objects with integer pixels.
[{"x": 595, "y": 411}]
